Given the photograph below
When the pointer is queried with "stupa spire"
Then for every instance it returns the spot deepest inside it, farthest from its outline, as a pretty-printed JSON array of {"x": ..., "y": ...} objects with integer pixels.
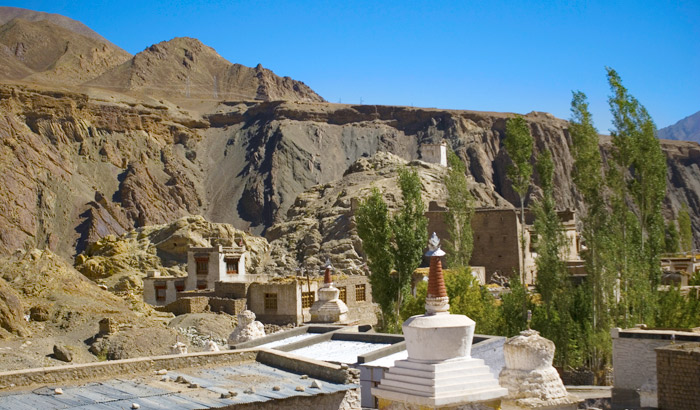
[
  {"x": 436, "y": 300},
  {"x": 327, "y": 274}
]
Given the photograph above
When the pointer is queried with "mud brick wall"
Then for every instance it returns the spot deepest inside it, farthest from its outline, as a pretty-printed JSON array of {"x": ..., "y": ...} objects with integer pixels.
[{"x": 678, "y": 376}]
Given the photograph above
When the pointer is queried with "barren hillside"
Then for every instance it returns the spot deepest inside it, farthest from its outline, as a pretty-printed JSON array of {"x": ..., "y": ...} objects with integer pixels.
[{"x": 186, "y": 68}]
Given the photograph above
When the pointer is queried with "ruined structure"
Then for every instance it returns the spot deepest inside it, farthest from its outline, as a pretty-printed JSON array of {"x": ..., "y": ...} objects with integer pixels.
[
  {"x": 247, "y": 329},
  {"x": 434, "y": 153},
  {"x": 531, "y": 380},
  {"x": 439, "y": 371},
  {"x": 329, "y": 308}
]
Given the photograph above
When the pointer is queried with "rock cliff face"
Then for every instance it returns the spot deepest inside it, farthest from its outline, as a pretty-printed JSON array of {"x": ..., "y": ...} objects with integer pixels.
[{"x": 77, "y": 167}]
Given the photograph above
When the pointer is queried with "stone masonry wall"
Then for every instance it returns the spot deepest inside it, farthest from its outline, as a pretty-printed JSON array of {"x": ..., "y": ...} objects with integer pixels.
[{"x": 678, "y": 374}]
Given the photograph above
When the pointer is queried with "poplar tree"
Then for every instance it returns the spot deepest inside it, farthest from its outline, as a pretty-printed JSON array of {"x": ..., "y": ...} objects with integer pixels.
[
  {"x": 410, "y": 233},
  {"x": 393, "y": 244},
  {"x": 552, "y": 317},
  {"x": 458, "y": 217},
  {"x": 372, "y": 218},
  {"x": 518, "y": 144},
  {"x": 638, "y": 177},
  {"x": 685, "y": 230},
  {"x": 589, "y": 178}
]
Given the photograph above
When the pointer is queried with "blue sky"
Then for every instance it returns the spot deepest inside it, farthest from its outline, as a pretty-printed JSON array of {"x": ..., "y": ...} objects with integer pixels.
[{"x": 477, "y": 55}]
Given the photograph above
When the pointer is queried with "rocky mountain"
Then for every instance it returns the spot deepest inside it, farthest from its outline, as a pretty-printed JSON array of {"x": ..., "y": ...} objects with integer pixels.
[
  {"x": 186, "y": 68},
  {"x": 320, "y": 224},
  {"x": 78, "y": 167},
  {"x": 44, "y": 52},
  {"x": 687, "y": 129},
  {"x": 121, "y": 262},
  {"x": 10, "y": 13}
]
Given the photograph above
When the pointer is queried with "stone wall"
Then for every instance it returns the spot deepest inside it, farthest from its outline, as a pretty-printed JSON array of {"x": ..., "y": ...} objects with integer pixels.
[
  {"x": 678, "y": 375},
  {"x": 196, "y": 304},
  {"x": 230, "y": 306}
]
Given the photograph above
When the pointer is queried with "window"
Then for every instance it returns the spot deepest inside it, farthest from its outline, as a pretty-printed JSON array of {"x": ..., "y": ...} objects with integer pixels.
[
  {"x": 202, "y": 266},
  {"x": 360, "y": 293},
  {"x": 232, "y": 266},
  {"x": 180, "y": 285},
  {"x": 160, "y": 291},
  {"x": 307, "y": 299},
  {"x": 343, "y": 294},
  {"x": 270, "y": 301},
  {"x": 201, "y": 284}
]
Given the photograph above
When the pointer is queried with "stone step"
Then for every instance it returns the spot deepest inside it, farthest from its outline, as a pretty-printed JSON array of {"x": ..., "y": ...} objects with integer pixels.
[
  {"x": 480, "y": 371},
  {"x": 447, "y": 387}
]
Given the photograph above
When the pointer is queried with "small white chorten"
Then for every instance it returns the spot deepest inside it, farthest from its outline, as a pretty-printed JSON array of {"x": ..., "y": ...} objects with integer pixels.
[
  {"x": 329, "y": 308},
  {"x": 439, "y": 371},
  {"x": 531, "y": 380},
  {"x": 247, "y": 328}
]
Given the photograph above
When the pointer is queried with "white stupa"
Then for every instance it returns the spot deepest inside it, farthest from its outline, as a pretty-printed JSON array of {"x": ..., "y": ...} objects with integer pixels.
[
  {"x": 329, "y": 308},
  {"x": 439, "y": 371}
]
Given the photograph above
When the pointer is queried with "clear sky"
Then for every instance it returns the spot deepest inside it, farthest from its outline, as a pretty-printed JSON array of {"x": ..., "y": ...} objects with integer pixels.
[{"x": 477, "y": 55}]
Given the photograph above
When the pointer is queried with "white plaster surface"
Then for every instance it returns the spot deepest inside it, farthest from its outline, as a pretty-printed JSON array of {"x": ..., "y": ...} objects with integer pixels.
[
  {"x": 340, "y": 351},
  {"x": 247, "y": 329},
  {"x": 531, "y": 380},
  {"x": 289, "y": 340},
  {"x": 438, "y": 337}
]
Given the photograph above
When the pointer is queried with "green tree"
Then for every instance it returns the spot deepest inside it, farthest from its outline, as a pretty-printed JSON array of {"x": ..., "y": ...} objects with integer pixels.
[
  {"x": 686, "y": 230},
  {"x": 459, "y": 214},
  {"x": 410, "y": 233},
  {"x": 551, "y": 317},
  {"x": 514, "y": 305},
  {"x": 598, "y": 288},
  {"x": 469, "y": 298},
  {"x": 374, "y": 229},
  {"x": 672, "y": 240},
  {"x": 393, "y": 245},
  {"x": 518, "y": 144},
  {"x": 637, "y": 177}
]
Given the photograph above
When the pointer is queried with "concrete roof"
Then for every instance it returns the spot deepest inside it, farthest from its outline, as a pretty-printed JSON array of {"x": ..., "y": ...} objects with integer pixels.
[
  {"x": 339, "y": 351},
  {"x": 253, "y": 382}
]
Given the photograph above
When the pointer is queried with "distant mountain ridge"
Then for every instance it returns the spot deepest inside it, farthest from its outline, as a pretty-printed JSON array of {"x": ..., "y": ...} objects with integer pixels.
[
  {"x": 44, "y": 52},
  {"x": 10, "y": 13},
  {"x": 184, "y": 67},
  {"x": 687, "y": 129}
]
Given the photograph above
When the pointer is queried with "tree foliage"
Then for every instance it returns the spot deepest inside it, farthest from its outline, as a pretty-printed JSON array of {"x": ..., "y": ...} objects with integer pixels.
[
  {"x": 518, "y": 144},
  {"x": 393, "y": 244},
  {"x": 685, "y": 230},
  {"x": 374, "y": 229},
  {"x": 410, "y": 232},
  {"x": 459, "y": 214}
]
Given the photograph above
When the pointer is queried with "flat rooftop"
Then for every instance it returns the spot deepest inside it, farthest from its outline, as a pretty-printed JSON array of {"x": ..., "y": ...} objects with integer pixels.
[{"x": 272, "y": 376}]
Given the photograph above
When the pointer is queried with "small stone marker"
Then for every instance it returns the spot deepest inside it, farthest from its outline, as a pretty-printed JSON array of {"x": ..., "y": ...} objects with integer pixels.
[
  {"x": 233, "y": 393},
  {"x": 194, "y": 385},
  {"x": 249, "y": 390},
  {"x": 135, "y": 406},
  {"x": 161, "y": 372},
  {"x": 304, "y": 377},
  {"x": 276, "y": 388},
  {"x": 300, "y": 388},
  {"x": 315, "y": 384},
  {"x": 58, "y": 390}
]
